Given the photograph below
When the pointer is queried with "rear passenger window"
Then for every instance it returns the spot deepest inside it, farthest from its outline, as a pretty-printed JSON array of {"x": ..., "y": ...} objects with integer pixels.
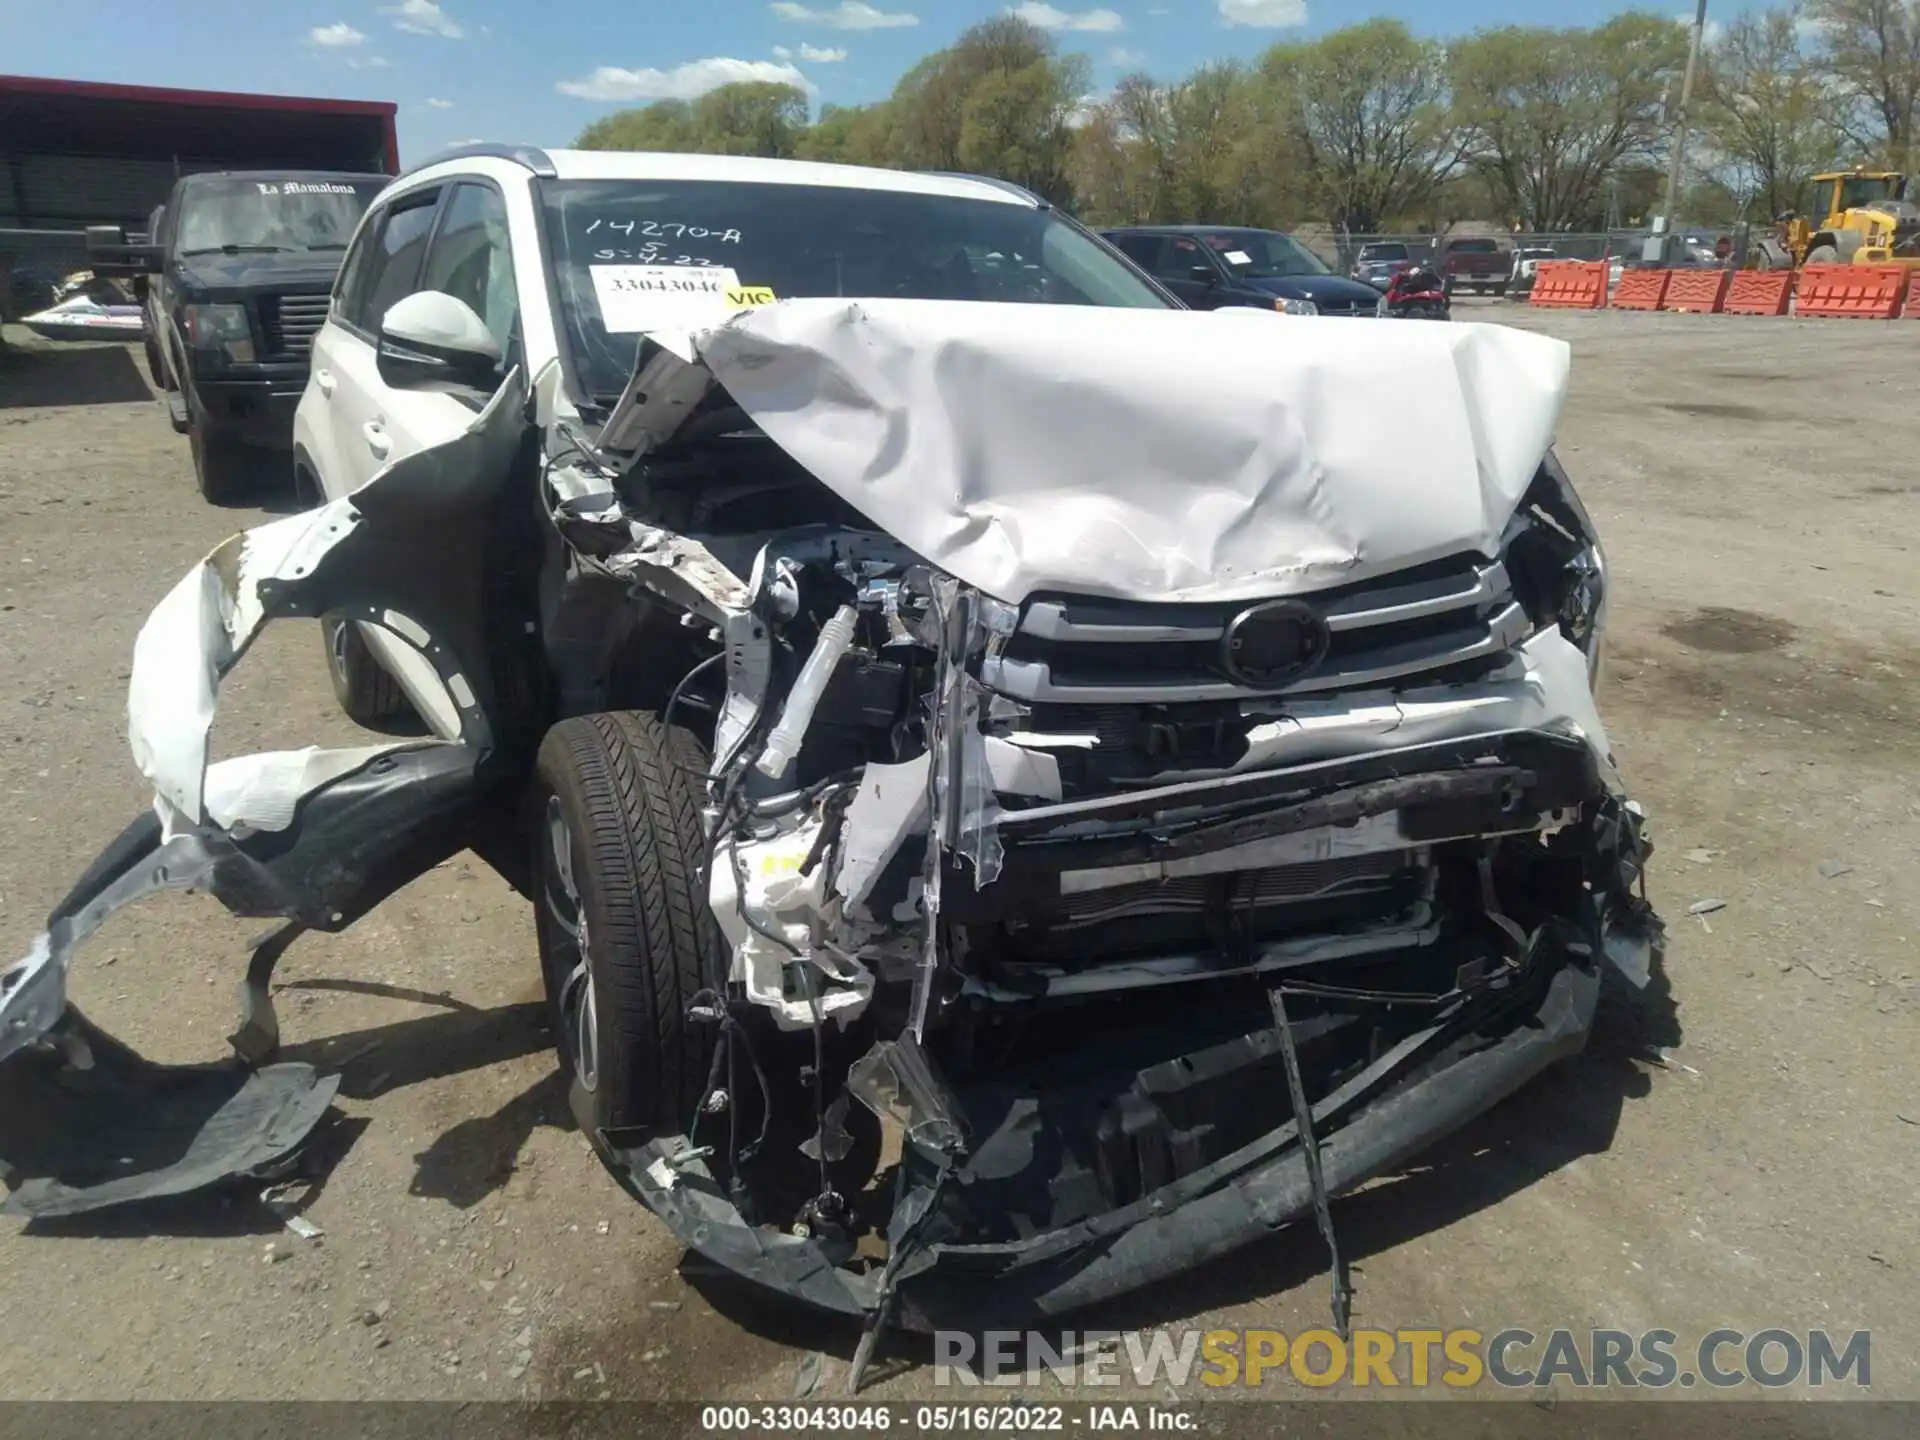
[{"x": 385, "y": 264}]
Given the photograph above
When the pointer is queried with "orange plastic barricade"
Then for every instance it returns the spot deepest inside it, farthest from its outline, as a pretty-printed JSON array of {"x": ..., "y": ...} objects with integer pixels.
[
  {"x": 1913, "y": 297},
  {"x": 1570, "y": 285},
  {"x": 1698, "y": 292},
  {"x": 1861, "y": 292},
  {"x": 1759, "y": 292},
  {"x": 1641, "y": 289}
]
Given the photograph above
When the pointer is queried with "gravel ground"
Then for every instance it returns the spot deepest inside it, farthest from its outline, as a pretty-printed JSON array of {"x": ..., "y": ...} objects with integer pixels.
[{"x": 1756, "y": 484}]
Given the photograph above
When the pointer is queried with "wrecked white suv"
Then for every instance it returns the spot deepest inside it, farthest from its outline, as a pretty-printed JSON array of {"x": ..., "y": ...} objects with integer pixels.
[{"x": 1024, "y": 788}]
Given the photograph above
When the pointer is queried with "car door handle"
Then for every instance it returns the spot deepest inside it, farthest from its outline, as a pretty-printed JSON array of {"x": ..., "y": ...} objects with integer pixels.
[
  {"x": 377, "y": 439},
  {"x": 324, "y": 380}
]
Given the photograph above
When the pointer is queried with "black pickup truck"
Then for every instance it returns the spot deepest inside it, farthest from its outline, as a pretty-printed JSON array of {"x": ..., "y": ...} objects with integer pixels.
[{"x": 235, "y": 280}]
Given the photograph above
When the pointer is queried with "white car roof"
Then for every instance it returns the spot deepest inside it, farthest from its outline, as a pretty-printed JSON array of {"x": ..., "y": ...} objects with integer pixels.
[{"x": 754, "y": 170}]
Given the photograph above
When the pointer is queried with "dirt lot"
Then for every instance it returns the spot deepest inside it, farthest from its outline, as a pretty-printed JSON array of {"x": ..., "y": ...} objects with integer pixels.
[{"x": 1756, "y": 484}]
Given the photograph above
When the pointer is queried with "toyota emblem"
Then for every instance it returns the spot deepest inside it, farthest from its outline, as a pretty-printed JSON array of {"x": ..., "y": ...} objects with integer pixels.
[{"x": 1271, "y": 643}]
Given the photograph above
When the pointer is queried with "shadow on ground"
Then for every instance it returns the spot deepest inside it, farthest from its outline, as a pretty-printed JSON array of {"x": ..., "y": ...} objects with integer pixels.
[{"x": 44, "y": 373}]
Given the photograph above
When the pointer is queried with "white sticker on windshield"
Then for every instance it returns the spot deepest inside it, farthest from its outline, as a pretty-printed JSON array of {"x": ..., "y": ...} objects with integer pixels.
[
  {"x": 1239, "y": 257},
  {"x": 653, "y": 297}
]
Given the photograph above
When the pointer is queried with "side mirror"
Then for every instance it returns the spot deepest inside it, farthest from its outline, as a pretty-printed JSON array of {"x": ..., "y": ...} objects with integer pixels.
[
  {"x": 109, "y": 252},
  {"x": 429, "y": 340},
  {"x": 1204, "y": 274}
]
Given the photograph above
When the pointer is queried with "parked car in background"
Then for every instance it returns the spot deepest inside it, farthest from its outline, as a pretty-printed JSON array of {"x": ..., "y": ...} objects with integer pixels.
[
  {"x": 235, "y": 280},
  {"x": 1378, "y": 263},
  {"x": 1211, "y": 267},
  {"x": 1526, "y": 265},
  {"x": 1474, "y": 263}
]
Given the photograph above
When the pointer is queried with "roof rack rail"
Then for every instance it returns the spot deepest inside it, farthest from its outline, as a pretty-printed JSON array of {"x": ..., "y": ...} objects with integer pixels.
[
  {"x": 532, "y": 157},
  {"x": 995, "y": 181}
]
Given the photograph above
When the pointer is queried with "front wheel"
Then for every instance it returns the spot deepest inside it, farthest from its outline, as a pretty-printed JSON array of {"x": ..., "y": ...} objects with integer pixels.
[
  {"x": 367, "y": 693},
  {"x": 220, "y": 468},
  {"x": 1823, "y": 255},
  {"x": 626, "y": 938}
]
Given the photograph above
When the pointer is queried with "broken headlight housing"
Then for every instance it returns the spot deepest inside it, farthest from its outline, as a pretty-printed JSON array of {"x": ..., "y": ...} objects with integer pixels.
[
  {"x": 221, "y": 330},
  {"x": 1557, "y": 565},
  {"x": 1296, "y": 307}
]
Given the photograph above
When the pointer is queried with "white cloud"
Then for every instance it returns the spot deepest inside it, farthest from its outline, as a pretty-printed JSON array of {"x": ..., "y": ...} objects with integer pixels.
[
  {"x": 470, "y": 140},
  {"x": 1084, "y": 109},
  {"x": 1713, "y": 33},
  {"x": 337, "y": 36},
  {"x": 423, "y": 17},
  {"x": 1122, "y": 56},
  {"x": 1264, "y": 14},
  {"x": 368, "y": 62},
  {"x": 847, "y": 15},
  {"x": 436, "y": 104},
  {"x": 781, "y": 52},
  {"x": 683, "y": 82},
  {"x": 1036, "y": 12},
  {"x": 822, "y": 55}
]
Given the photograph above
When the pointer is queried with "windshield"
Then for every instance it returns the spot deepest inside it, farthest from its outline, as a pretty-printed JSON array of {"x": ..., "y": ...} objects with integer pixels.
[
  {"x": 632, "y": 255},
  {"x": 1383, "y": 252},
  {"x": 273, "y": 212},
  {"x": 1263, "y": 254},
  {"x": 1859, "y": 191}
]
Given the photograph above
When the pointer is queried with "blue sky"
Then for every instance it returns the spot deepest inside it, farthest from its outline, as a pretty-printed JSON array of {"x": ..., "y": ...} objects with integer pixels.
[{"x": 538, "y": 72}]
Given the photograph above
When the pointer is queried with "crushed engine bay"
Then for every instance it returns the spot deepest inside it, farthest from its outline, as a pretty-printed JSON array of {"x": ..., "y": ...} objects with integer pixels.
[{"x": 1139, "y": 794}]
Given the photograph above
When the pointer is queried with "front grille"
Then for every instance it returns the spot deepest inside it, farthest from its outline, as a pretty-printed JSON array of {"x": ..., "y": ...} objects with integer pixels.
[
  {"x": 1347, "y": 307},
  {"x": 288, "y": 323},
  {"x": 1091, "y": 651}
]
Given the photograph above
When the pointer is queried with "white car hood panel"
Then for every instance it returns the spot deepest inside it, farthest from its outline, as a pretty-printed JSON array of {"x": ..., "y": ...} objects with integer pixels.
[{"x": 1151, "y": 455}]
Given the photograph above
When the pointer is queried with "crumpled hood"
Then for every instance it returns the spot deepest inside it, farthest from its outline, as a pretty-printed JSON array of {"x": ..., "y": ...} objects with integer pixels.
[{"x": 1152, "y": 455}]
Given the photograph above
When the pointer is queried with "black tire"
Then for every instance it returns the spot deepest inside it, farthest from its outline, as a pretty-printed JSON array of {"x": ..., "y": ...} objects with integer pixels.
[
  {"x": 616, "y": 795},
  {"x": 366, "y": 692},
  {"x": 1823, "y": 255},
  {"x": 220, "y": 463}
]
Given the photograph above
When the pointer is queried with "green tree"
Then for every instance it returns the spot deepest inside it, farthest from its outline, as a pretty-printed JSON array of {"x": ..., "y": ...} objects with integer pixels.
[
  {"x": 750, "y": 117},
  {"x": 999, "y": 100},
  {"x": 755, "y": 117},
  {"x": 1766, "y": 112},
  {"x": 1552, "y": 115},
  {"x": 1871, "y": 51},
  {"x": 1366, "y": 110},
  {"x": 663, "y": 125}
]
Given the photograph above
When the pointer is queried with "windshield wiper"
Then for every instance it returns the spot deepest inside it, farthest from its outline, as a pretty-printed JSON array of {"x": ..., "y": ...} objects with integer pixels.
[
  {"x": 231, "y": 248},
  {"x": 329, "y": 245}
]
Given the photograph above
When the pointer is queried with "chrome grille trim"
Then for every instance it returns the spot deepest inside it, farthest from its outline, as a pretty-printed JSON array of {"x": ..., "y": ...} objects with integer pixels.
[{"x": 1461, "y": 615}]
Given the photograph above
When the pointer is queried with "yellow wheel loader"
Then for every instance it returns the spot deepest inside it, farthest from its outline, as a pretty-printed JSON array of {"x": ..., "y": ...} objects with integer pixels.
[{"x": 1849, "y": 217}]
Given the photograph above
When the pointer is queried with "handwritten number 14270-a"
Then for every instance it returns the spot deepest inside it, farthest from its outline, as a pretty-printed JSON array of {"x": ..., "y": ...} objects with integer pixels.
[{"x": 664, "y": 230}]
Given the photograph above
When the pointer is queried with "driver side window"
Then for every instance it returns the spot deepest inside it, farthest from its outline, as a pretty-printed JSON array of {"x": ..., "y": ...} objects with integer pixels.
[
  {"x": 471, "y": 260},
  {"x": 385, "y": 263}
]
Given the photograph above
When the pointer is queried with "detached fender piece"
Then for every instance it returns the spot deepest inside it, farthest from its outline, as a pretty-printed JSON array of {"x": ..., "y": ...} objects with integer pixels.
[{"x": 315, "y": 837}]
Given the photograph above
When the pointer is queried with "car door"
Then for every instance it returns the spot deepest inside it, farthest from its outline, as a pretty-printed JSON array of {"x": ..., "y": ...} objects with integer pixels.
[
  {"x": 1186, "y": 267},
  {"x": 352, "y": 432}
]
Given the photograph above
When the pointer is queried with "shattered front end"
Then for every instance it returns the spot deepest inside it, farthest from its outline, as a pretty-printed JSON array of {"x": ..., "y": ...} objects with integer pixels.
[{"x": 1145, "y": 901}]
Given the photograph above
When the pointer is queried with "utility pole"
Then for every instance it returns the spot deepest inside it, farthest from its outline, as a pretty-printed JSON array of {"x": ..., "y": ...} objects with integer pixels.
[{"x": 1678, "y": 162}]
